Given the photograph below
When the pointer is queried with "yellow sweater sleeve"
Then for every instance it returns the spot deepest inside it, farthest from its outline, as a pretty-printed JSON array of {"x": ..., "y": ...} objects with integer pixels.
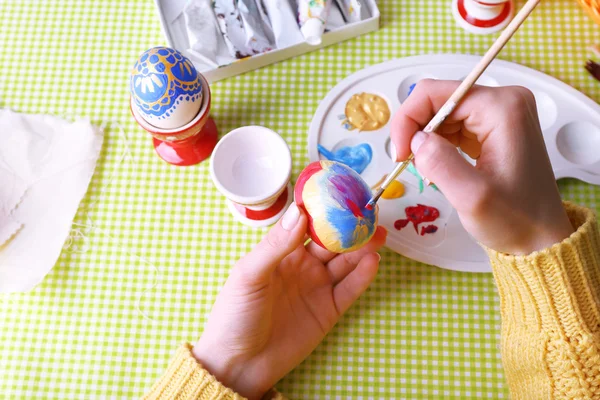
[
  {"x": 550, "y": 304},
  {"x": 185, "y": 379}
]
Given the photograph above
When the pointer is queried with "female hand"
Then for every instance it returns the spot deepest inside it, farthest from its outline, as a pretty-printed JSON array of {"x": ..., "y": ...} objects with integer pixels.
[
  {"x": 509, "y": 201},
  {"x": 278, "y": 303}
]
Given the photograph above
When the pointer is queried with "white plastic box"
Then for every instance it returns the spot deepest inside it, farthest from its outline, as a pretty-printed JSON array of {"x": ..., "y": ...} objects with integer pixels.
[{"x": 175, "y": 32}]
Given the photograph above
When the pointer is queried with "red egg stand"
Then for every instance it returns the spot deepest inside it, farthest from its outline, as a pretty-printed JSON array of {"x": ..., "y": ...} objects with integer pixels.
[{"x": 188, "y": 145}]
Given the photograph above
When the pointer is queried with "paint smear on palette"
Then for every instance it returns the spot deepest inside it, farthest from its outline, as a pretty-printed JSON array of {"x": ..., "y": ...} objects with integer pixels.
[
  {"x": 417, "y": 215},
  {"x": 356, "y": 157},
  {"x": 411, "y": 168},
  {"x": 411, "y": 88},
  {"x": 366, "y": 112}
]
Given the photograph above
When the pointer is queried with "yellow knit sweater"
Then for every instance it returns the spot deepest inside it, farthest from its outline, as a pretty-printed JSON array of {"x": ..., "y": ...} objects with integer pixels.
[{"x": 550, "y": 304}]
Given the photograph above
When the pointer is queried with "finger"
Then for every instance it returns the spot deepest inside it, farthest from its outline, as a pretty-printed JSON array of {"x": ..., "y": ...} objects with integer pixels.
[
  {"x": 342, "y": 264},
  {"x": 449, "y": 128},
  {"x": 467, "y": 133},
  {"x": 429, "y": 96},
  {"x": 326, "y": 256},
  {"x": 320, "y": 253},
  {"x": 454, "y": 139},
  {"x": 439, "y": 161},
  {"x": 281, "y": 240},
  {"x": 470, "y": 146},
  {"x": 352, "y": 286}
]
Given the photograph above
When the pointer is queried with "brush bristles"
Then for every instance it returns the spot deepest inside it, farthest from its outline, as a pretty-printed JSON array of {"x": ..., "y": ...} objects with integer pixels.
[{"x": 374, "y": 199}]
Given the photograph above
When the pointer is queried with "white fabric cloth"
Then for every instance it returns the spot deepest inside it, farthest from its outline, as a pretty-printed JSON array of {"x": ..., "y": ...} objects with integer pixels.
[{"x": 46, "y": 164}]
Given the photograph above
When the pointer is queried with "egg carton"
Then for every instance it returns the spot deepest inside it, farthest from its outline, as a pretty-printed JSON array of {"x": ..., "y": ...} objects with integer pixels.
[
  {"x": 173, "y": 25},
  {"x": 570, "y": 123}
]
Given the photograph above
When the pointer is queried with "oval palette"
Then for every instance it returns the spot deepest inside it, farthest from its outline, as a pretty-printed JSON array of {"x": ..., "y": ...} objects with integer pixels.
[{"x": 570, "y": 122}]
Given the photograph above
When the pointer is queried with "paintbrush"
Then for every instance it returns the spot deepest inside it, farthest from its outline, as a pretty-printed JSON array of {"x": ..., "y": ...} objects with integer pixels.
[{"x": 461, "y": 91}]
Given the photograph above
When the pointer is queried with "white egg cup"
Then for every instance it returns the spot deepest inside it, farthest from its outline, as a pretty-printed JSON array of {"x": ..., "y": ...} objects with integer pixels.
[
  {"x": 482, "y": 17},
  {"x": 252, "y": 166}
]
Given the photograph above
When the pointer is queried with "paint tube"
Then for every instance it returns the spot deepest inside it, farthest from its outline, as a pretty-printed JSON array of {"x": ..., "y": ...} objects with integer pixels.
[
  {"x": 232, "y": 27},
  {"x": 284, "y": 24},
  {"x": 202, "y": 31},
  {"x": 351, "y": 10},
  {"x": 335, "y": 19},
  {"x": 256, "y": 39},
  {"x": 313, "y": 16},
  {"x": 266, "y": 22},
  {"x": 241, "y": 27}
]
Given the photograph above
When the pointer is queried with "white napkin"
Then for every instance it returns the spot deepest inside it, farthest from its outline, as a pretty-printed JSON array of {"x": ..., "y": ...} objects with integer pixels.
[{"x": 46, "y": 164}]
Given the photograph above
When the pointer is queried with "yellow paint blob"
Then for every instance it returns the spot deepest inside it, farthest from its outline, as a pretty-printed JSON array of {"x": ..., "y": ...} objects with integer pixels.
[
  {"x": 395, "y": 190},
  {"x": 367, "y": 112}
]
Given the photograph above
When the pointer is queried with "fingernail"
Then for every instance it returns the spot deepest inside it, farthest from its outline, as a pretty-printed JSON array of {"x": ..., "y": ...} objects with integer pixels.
[
  {"x": 378, "y": 256},
  {"x": 417, "y": 141},
  {"x": 290, "y": 218},
  {"x": 393, "y": 152}
]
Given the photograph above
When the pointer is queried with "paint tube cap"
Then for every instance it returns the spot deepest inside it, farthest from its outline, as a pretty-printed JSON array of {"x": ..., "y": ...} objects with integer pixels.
[{"x": 313, "y": 30}]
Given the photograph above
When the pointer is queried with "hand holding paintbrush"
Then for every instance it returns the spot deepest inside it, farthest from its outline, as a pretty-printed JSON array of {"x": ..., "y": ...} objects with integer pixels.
[{"x": 461, "y": 91}]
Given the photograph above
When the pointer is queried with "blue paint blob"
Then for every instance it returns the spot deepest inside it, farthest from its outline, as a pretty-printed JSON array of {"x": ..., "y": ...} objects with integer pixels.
[
  {"x": 153, "y": 59},
  {"x": 411, "y": 88},
  {"x": 356, "y": 157},
  {"x": 160, "y": 67},
  {"x": 163, "y": 52},
  {"x": 144, "y": 57}
]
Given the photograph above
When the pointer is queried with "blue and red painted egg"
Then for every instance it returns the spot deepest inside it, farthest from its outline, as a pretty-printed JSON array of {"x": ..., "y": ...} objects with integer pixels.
[
  {"x": 334, "y": 197},
  {"x": 166, "y": 88}
]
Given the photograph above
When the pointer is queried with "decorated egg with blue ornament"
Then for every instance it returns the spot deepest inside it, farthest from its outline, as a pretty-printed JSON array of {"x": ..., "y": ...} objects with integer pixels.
[
  {"x": 334, "y": 197},
  {"x": 166, "y": 88}
]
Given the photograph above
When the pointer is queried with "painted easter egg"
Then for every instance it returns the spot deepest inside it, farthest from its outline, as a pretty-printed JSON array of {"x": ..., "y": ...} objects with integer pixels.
[
  {"x": 166, "y": 88},
  {"x": 334, "y": 198}
]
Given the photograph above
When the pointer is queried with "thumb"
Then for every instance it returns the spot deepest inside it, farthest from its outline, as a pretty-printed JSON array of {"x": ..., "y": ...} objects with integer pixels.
[
  {"x": 279, "y": 242},
  {"x": 438, "y": 160}
]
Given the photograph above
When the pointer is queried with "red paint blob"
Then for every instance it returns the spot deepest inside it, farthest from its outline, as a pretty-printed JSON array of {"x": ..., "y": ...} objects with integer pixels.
[
  {"x": 401, "y": 223},
  {"x": 417, "y": 215},
  {"x": 428, "y": 229},
  {"x": 369, "y": 207}
]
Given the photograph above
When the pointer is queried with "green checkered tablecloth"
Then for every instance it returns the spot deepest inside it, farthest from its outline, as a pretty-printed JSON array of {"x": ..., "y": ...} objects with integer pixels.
[{"x": 162, "y": 238}]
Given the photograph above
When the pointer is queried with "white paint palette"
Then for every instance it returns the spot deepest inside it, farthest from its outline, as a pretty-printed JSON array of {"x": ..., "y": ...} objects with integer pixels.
[{"x": 570, "y": 122}]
